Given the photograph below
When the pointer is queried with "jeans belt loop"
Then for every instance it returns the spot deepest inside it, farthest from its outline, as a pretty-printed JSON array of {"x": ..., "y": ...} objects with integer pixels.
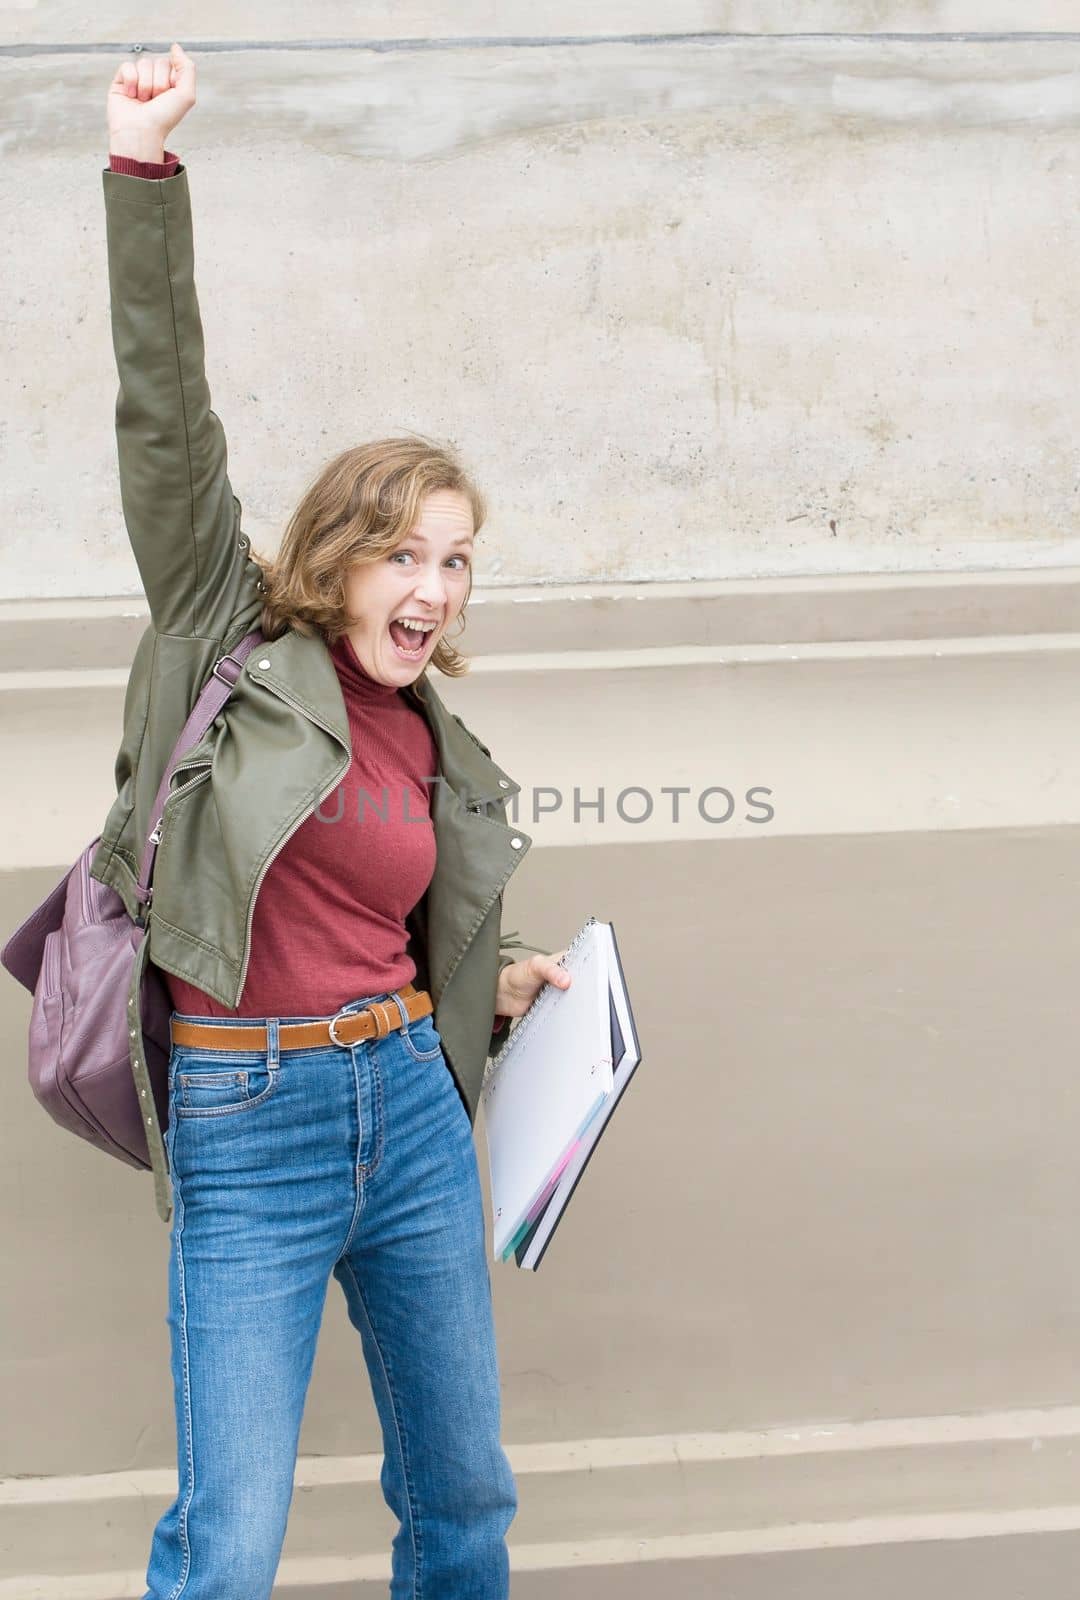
[
  {"x": 273, "y": 1043},
  {"x": 405, "y": 1018},
  {"x": 383, "y": 1025}
]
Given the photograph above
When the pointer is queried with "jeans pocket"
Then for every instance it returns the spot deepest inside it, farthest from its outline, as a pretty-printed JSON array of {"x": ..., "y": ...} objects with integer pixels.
[
  {"x": 219, "y": 1085},
  {"x": 421, "y": 1039}
]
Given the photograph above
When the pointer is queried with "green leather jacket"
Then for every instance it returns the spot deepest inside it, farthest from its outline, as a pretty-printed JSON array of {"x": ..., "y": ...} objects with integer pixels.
[{"x": 282, "y": 743}]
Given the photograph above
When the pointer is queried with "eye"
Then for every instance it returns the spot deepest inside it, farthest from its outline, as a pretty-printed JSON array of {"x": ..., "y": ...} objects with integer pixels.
[{"x": 463, "y": 559}]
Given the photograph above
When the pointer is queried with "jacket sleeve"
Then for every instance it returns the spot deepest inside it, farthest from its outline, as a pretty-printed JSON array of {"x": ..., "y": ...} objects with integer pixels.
[{"x": 181, "y": 515}]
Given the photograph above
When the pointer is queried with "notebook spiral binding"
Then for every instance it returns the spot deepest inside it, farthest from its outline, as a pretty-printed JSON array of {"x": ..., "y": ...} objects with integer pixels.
[{"x": 545, "y": 999}]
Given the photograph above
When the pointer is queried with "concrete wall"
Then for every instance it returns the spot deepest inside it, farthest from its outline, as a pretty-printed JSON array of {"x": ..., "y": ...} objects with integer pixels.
[{"x": 754, "y": 302}]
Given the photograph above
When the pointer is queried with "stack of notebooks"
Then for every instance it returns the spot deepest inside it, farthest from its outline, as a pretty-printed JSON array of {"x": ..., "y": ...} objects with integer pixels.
[{"x": 550, "y": 1091}]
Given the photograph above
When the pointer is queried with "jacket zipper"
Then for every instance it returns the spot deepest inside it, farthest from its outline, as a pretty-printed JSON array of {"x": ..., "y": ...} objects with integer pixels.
[
  {"x": 192, "y": 783},
  {"x": 187, "y": 766},
  {"x": 201, "y": 770},
  {"x": 192, "y": 766},
  {"x": 156, "y": 835},
  {"x": 283, "y": 841}
]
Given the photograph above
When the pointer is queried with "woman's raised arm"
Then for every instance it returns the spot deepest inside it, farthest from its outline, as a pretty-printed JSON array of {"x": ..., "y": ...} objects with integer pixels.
[{"x": 181, "y": 515}]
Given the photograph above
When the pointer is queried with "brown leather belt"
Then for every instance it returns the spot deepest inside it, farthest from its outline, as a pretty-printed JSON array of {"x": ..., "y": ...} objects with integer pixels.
[{"x": 347, "y": 1028}]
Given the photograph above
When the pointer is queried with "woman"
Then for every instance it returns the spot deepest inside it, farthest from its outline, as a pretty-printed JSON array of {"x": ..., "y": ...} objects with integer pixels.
[{"x": 319, "y": 1123}]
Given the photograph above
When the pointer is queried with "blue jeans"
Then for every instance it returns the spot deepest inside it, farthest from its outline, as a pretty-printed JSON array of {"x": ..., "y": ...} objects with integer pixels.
[{"x": 289, "y": 1166}]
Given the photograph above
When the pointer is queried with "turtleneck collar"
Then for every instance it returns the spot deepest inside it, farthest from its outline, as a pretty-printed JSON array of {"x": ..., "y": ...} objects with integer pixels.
[{"x": 359, "y": 683}]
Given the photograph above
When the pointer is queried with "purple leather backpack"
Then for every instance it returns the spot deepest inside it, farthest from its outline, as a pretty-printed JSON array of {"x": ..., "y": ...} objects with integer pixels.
[{"x": 99, "y": 1023}]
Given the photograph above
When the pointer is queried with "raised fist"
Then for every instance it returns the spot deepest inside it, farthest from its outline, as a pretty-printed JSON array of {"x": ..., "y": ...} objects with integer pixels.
[{"x": 146, "y": 99}]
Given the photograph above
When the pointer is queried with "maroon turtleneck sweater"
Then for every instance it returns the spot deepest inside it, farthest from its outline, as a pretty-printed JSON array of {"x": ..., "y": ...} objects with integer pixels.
[{"x": 329, "y": 919}]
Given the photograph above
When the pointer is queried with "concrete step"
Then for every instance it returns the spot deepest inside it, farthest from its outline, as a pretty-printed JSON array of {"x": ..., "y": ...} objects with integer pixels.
[
  {"x": 697, "y": 1510},
  {"x": 758, "y": 742},
  {"x": 96, "y": 634}
]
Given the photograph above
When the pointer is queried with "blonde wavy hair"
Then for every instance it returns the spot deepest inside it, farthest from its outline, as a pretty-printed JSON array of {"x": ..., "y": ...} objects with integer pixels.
[{"x": 358, "y": 509}]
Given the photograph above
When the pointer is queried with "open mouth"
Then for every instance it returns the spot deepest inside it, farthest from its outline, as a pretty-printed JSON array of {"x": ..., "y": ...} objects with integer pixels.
[{"x": 410, "y": 643}]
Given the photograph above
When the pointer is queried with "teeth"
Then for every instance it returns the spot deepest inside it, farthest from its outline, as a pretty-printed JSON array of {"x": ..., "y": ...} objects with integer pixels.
[{"x": 417, "y": 627}]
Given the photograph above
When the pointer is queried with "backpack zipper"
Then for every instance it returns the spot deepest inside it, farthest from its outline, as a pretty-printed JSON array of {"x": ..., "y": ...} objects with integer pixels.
[
  {"x": 51, "y": 979},
  {"x": 84, "y": 890}
]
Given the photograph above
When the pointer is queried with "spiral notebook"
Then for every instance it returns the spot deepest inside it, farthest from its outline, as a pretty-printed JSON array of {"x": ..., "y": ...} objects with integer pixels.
[{"x": 550, "y": 1091}]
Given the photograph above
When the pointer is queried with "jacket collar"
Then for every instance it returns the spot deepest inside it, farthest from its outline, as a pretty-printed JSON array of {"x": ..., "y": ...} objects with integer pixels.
[
  {"x": 301, "y": 667},
  {"x": 463, "y": 763}
]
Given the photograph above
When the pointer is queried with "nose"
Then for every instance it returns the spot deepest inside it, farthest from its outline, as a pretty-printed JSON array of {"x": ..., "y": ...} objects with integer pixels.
[{"x": 431, "y": 589}]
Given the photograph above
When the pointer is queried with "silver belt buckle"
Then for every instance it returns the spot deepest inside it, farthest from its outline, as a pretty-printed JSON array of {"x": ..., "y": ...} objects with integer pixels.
[{"x": 342, "y": 1044}]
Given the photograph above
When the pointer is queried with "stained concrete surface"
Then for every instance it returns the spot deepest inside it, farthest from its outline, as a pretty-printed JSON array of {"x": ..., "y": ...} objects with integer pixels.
[{"x": 755, "y": 306}]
